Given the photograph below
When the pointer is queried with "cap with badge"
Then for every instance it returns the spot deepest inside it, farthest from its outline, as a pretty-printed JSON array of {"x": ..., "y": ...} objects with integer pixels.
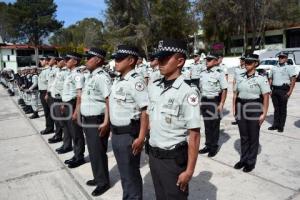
[
  {"x": 242, "y": 57},
  {"x": 44, "y": 58},
  {"x": 283, "y": 54},
  {"x": 58, "y": 59},
  {"x": 73, "y": 55},
  {"x": 95, "y": 52},
  {"x": 252, "y": 57},
  {"x": 169, "y": 47},
  {"x": 125, "y": 50}
]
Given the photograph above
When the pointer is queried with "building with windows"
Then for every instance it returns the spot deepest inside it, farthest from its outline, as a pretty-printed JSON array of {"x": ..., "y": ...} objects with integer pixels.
[{"x": 20, "y": 55}]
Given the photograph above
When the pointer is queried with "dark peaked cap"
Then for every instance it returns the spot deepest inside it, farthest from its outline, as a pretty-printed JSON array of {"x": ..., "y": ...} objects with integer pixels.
[
  {"x": 96, "y": 52},
  {"x": 126, "y": 50},
  {"x": 170, "y": 46}
]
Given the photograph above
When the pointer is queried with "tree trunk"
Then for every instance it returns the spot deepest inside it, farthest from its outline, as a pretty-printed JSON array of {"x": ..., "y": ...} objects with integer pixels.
[{"x": 245, "y": 36}]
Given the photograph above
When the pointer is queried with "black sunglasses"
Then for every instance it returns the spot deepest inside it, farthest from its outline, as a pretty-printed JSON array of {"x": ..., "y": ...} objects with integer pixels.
[
  {"x": 249, "y": 62},
  {"x": 281, "y": 57},
  {"x": 209, "y": 59}
]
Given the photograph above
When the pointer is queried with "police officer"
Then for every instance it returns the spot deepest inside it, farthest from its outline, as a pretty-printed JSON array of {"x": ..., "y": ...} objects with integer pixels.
[
  {"x": 222, "y": 66},
  {"x": 43, "y": 86},
  {"x": 239, "y": 72},
  {"x": 196, "y": 69},
  {"x": 56, "y": 92},
  {"x": 28, "y": 83},
  {"x": 173, "y": 114},
  {"x": 282, "y": 79},
  {"x": 154, "y": 73},
  {"x": 95, "y": 119},
  {"x": 252, "y": 96},
  {"x": 53, "y": 70},
  {"x": 142, "y": 69},
  {"x": 213, "y": 85},
  {"x": 127, "y": 107},
  {"x": 71, "y": 93},
  {"x": 34, "y": 93}
]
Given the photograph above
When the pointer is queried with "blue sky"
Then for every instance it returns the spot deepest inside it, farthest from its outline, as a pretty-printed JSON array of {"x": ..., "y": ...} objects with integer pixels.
[{"x": 71, "y": 11}]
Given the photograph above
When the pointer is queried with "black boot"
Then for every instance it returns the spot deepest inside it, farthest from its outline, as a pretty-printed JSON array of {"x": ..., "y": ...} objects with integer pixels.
[
  {"x": 34, "y": 115},
  {"x": 29, "y": 111}
]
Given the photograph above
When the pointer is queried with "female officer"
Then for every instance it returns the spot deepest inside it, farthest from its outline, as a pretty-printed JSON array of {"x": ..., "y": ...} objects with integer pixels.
[{"x": 252, "y": 96}]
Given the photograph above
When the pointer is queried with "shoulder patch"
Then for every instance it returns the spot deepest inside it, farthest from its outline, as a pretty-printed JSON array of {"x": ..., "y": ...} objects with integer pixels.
[
  {"x": 140, "y": 86},
  {"x": 193, "y": 99}
]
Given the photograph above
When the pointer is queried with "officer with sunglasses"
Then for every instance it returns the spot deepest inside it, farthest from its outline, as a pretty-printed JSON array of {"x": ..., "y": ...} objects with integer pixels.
[
  {"x": 282, "y": 79},
  {"x": 213, "y": 88},
  {"x": 95, "y": 119},
  {"x": 252, "y": 98}
]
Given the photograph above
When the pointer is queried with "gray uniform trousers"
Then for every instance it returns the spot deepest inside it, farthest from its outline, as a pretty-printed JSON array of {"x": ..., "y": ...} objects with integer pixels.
[
  {"x": 97, "y": 147},
  {"x": 55, "y": 109},
  {"x": 49, "y": 121},
  {"x": 72, "y": 128},
  {"x": 128, "y": 165}
]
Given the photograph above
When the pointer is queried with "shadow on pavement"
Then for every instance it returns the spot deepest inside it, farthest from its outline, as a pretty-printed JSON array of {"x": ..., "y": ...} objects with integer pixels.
[
  {"x": 201, "y": 188},
  {"x": 270, "y": 119},
  {"x": 224, "y": 137},
  {"x": 297, "y": 123}
]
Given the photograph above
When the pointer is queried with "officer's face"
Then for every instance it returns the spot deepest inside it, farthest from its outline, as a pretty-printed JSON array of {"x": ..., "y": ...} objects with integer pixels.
[
  {"x": 52, "y": 61},
  {"x": 170, "y": 64},
  {"x": 250, "y": 65},
  {"x": 242, "y": 62},
  {"x": 124, "y": 64},
  {"x": 61, "y": 64},
  {"x": 71, "y": 63},
  {"x": 196, "y": 58},
  {"x": 211, "y": 62},
  {"x": 154, "y": 63},
  {"x": 282, "y": 59},
  {"x": 93, "y": 62},
  {"x": 43, "y": 62}
]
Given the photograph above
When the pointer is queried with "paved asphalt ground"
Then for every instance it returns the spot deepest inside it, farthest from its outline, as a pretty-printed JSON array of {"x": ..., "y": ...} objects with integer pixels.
[{"x": 29, "y": 168}]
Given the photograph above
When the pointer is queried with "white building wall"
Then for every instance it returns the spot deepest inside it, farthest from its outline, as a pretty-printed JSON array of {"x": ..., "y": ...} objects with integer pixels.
[{"x": 9, "y": 58}]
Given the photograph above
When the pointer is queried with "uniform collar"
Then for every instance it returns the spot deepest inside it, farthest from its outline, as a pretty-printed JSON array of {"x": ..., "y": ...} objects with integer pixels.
[
  {"x": 177, "y": 83},
  {"x": 212, "y": 69},
  {"x": 126, "y": 77},
  {"x": 252, "y": 76},
  {"x": 97, "y": 70},
  {"x": 75, "y": 69}
]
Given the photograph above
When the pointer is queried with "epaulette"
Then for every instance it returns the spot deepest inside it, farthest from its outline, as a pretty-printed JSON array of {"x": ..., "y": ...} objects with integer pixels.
[
  {"x": 219, "y": 70},
  {"x": 100, "y": 72},
  {"x": 134, "y": 75}
]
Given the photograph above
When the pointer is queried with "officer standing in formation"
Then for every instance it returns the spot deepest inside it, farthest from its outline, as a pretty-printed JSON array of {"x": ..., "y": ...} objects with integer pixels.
[
  {"x": 71, "y": 96},
  {"x": 52, "y": 72},
  {"x": 174, "y": 115},
  {"x": 213, "y": 87},
  {"x": 127, "y": 107},
  {"x": 43, "y": 86},
  {"x": 252, "y": 96},
  {"x": 33, "y": 90},
  {"x": 56, "y": 92},
  {"x": 95, "y": 118},
  {"x": 196, "y": 68},
  {"x": 142, "y": 69},
  {"x": 154, "y": 72},
  {"x": 282, "y": 80},
  {"x": 222, "y": 66},
  {"x": 239, "y": 71}
]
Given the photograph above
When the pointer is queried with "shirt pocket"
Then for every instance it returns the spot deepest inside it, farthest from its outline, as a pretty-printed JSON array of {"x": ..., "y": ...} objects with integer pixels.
[{"x": 171, "y": 116}]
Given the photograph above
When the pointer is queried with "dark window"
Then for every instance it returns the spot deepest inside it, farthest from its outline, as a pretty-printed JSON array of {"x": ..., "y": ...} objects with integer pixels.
[
  {"x": 12, "y": 52},
  {"x": 8, "y": 57},
  {"x": 274, "y": 39},
  {"x": 237, "y": 43},
  {"x": 4, "y": 65}
]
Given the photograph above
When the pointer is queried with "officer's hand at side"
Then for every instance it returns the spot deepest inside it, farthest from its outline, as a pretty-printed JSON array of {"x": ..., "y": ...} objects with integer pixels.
[
  {"x": 262, "y": 118},
  {"x": 103, "y": 129},
  {"x": 137, "y": 146},
  {"x": 183, "y": 180},
  {"x": 74, "y": 116},
  {"x": 220, "y": 108},
  {"x": 46, "y": 97},
  {"x": 62, "y": 109},
  {"x": 288, "y": 94}
]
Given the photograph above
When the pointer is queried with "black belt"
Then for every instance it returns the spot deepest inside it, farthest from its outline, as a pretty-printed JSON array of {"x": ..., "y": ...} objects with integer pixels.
[
  {"x": 169, "y": 154},
  {"x": 216, "y": 98},
  {"x": 243, "y": 101},
  {"x": 93, "y": 117},
  {"x": 133, "y": 129},
  {"x": 282, "y": 87}
]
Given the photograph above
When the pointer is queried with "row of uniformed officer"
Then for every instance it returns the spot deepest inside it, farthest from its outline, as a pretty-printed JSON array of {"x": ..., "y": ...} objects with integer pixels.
[
  {"x": 282, "y": 79},
  {"x": 251, "y": 93}
]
